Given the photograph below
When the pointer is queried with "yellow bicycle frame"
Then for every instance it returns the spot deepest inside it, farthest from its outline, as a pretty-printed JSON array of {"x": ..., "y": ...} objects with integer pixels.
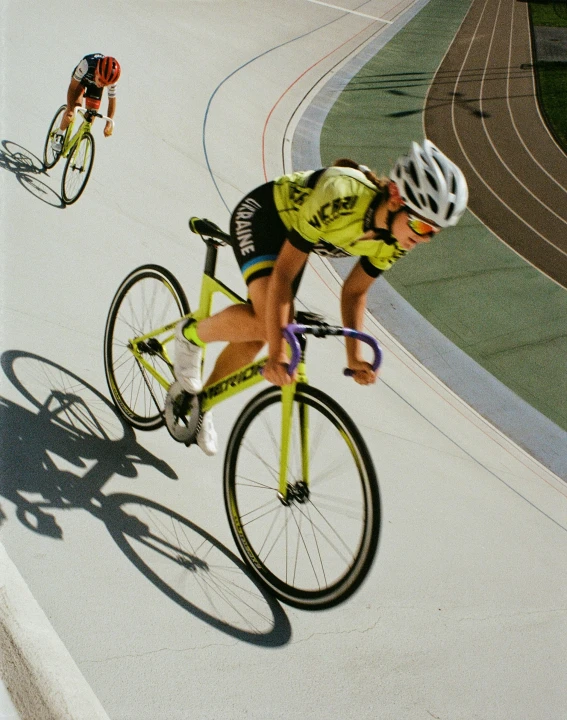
[
  {"x": 232, "y": 384},
  {"x": 71, "y": 142}
]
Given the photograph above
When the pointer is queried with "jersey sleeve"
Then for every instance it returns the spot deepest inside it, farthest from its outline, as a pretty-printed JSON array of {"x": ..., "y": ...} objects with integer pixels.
[
  {"x": 81, "y": 70},
  {"x": 383, "y": 259},
  {"x": 369, "y": 268},
  {"x": 111, "y": 91}
]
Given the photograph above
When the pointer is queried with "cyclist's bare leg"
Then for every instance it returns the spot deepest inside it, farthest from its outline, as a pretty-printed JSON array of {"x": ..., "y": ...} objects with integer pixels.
[
  {"x": 242, "y": 326},
  {"x": 239, "y": 323},
  {"x": 74, "y": 99},
  {"x": 234, "y": 356}
]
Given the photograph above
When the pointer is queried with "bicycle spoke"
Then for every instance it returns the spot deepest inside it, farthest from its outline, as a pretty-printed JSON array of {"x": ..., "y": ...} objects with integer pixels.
[
  {"x": 314, "y": 547},
  {"x": 145, "y": 298}
]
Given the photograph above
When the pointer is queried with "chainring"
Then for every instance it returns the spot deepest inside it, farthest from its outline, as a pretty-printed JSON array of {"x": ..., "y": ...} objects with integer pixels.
[{"x": 182, "y": 414}]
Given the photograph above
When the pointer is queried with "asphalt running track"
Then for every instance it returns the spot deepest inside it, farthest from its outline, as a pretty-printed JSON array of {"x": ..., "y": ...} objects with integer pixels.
[{"x": 482, "y": 109}]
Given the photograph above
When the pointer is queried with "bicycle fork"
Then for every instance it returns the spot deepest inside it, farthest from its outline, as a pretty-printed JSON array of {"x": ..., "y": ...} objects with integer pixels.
[{"x": 298, "y": 490}]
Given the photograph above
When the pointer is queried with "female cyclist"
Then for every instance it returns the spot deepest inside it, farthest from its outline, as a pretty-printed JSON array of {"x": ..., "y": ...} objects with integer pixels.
[
  {"x": 91, "y": 75},
  {"x": 341, "y": 210}
]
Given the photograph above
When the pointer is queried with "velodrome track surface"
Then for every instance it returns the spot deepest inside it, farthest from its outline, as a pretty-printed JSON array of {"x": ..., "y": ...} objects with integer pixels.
[{"x": 463, "y": 614}]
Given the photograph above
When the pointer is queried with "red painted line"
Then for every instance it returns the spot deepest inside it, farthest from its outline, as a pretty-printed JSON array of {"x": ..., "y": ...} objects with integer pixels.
[{"x": 297, "y": 79}]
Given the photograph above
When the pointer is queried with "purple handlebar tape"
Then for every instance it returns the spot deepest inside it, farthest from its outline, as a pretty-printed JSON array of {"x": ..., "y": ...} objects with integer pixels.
[{"x": 294, "y": 329}]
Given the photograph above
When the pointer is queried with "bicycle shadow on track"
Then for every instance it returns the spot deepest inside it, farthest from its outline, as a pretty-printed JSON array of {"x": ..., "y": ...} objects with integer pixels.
[
  {"x": 27, "y": 167},
  {"x": 57, "y": 456}
]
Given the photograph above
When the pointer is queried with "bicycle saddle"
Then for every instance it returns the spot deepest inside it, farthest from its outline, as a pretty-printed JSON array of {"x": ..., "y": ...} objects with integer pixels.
[{"x": 204, "y": 227}]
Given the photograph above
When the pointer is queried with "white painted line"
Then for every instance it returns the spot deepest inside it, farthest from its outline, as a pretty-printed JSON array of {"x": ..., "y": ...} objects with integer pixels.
[{"x": 352, "y": 12}]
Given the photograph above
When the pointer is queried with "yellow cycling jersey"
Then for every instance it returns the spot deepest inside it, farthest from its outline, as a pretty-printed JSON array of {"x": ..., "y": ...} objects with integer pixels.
[{"x": 329, "y": 211}]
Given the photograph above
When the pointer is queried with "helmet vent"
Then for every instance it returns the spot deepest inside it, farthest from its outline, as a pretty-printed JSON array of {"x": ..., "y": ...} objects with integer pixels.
[
  {"x": 413, "y": 173},
  {"x": 410, "y": 197},
  {"x": 431, "y": 185},
  {"x": 432, "y": 180}
]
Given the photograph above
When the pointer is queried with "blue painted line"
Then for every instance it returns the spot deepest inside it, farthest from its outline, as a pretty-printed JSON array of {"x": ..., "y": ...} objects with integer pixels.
[{"x": 238, "y": 69}]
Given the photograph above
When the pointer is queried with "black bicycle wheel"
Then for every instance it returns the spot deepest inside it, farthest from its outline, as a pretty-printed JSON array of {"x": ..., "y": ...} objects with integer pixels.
[
  {"x": 314, "y": 550},
  {"x": 148, "y": 299},
  {"x": 50, "y": 157},
  {"x": 78, "y": 169}
]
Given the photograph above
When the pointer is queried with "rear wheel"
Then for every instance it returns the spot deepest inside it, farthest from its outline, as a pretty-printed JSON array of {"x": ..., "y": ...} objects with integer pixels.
[
  {"x": 315, "y": 547},
  {"x": 148, "y": 299},
  {"x": 50, "y": 157},
  {"x": 78, "y": 169}
]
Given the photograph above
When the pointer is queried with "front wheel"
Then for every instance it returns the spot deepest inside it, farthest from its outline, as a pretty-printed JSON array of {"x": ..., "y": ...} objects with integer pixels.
[
  {"x": 50, "y": 156},
  {"x": 77, "y": 169},
  {"x": 148, "y": 299},
  {"x": 314, "y": 548}
]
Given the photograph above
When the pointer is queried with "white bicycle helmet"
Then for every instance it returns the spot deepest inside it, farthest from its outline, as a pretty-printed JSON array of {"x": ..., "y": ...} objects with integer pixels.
[{"x": 431, "y": 185}]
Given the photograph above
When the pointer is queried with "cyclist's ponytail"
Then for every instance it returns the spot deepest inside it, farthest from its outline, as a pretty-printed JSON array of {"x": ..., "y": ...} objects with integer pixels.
[{"x": 381, "y": 183}]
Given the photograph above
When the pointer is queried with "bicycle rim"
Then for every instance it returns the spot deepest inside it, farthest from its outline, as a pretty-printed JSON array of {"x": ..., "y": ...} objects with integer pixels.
[
  {"x": 149, "y": 298},
  {"x": 50, "y": 157},
  {"x": 77, "y": 169},
  {"x": 315, "y": 551}
]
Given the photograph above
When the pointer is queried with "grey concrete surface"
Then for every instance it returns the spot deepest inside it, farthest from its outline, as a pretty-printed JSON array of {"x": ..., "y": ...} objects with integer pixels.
[
  {"x": 7, "y": 709},
  {"x": 463, "y": 614}
]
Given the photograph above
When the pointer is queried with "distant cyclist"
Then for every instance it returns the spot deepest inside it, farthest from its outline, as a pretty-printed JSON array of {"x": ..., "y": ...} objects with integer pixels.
[
  {"x": 341, "y": 210},
  {"x": 89, "y": 78}
]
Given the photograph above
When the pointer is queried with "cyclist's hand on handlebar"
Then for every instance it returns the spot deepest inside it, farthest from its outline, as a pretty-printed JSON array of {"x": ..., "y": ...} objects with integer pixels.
[
  {"x": 276, "y": 372},
  {"x": 362, "y": 372},
  {"x": 108, "y": 128}
]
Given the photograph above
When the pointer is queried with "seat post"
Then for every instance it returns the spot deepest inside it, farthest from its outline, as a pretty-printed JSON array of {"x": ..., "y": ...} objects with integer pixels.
[{"x": 211, "y": 258}]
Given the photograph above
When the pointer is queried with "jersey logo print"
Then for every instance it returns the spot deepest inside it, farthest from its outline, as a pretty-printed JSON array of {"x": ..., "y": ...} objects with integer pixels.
[
  {"x": 328, "y": 250},
  {"x": 331, "y": 211},
  {"x": 245, "y": 212},
  {"x": 297, "y": 195}
]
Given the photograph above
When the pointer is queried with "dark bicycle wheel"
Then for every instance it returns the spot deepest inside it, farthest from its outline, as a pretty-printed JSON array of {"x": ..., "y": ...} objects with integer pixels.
[
  {"x": 148, "y": 299},
  {"x": 78, "y": 169},
  {"x": 314, "y": 549},
  {"x": 50, "y": 157}
]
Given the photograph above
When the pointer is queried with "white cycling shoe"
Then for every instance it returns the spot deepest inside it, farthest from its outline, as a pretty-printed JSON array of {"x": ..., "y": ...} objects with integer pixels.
[
  {"x": 207, "y": 435},
  {"x": 187, "y": 363},
  {"x": 57, "y": 142}
]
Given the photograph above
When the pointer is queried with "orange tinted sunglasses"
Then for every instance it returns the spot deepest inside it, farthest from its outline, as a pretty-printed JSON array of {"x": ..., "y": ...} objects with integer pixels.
[{"x": 420, "y": 227}]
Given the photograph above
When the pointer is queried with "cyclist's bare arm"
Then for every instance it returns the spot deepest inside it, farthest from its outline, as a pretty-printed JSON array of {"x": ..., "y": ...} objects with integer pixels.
[
  {"x": 353, "y": 306},
  {"x": 110, "y": 112},
  {"x": 278, "y": 310}
]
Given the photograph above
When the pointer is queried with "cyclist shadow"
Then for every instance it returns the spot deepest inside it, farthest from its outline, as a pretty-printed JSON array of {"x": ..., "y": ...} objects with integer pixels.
[
  {"x": 27, "y": 167},
  {"x": 61, "y": 454}
]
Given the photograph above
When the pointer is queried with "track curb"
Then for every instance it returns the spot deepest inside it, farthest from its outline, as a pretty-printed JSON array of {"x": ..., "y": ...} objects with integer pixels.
[{"x": 42, "y": 679}]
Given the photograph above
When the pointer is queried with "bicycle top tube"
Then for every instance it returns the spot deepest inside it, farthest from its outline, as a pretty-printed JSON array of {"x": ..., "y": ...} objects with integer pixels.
[{"x": 322, "y": 330}]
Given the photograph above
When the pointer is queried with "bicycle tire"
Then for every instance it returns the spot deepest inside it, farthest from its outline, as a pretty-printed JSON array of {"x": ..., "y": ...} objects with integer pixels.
[
  {"x": 150, "y": 297},
  {"x": 50, "y": 158},
  {"x": 78, "y": 169},
  {"x": 303, "y": 551}
]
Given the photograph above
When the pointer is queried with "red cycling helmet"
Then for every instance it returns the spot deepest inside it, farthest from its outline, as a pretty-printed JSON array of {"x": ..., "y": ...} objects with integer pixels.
[{"x": 109, "y": 70}]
